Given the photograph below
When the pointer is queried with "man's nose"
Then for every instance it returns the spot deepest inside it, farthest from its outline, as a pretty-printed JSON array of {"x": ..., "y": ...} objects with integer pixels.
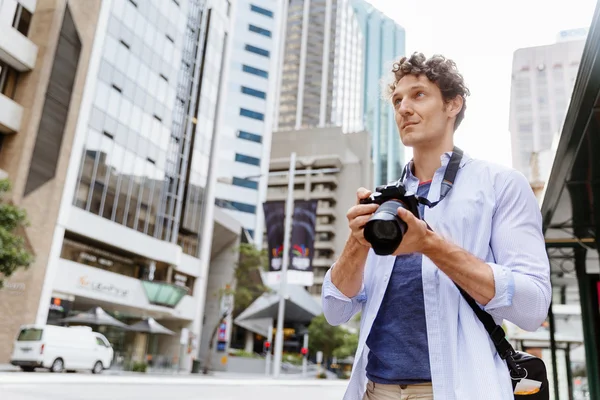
[{"x": 405, "y": 109}]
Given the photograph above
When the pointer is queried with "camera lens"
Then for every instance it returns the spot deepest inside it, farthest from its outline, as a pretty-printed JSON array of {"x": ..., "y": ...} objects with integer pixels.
[{"x": 385, "y": 229}]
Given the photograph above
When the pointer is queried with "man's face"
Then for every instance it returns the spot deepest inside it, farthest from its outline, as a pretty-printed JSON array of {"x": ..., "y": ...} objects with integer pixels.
[{"x": 421, "y": 114}]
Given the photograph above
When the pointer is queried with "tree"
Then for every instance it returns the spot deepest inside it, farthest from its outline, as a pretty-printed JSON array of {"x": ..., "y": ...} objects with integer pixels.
[
  {"x": 13, "y": 251},
  {"x": 248, "y": 288},
  {"x": 349, "y": 346},
  {"x": 324, "y": 337}
]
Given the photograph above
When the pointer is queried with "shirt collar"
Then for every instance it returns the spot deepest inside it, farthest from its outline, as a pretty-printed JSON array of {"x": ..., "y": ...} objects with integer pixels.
[{"x": 444, "y": 158}]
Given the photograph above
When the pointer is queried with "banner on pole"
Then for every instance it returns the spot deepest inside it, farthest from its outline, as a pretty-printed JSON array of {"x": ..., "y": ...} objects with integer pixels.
[{"x": 300, "y": 270}]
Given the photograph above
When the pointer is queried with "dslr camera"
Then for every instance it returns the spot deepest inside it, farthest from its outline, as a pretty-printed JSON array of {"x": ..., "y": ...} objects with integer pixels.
[{"x": 385, "y": 230}]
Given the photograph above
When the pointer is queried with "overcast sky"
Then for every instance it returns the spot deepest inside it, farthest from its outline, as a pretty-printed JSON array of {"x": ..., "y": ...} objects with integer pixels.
[{"x": 481, "y": 37}]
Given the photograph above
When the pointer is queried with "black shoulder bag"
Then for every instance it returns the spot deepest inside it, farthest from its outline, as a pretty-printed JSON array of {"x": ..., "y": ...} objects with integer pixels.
[
  {"x": 523, "y": 367},
  {"x": 520, "y": 365}
]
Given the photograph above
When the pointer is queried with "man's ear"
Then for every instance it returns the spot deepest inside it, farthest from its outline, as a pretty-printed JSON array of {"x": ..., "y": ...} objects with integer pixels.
[{"x": 455, "y": 105}]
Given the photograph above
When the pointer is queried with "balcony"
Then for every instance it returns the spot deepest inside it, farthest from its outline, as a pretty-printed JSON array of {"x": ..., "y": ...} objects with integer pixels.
[
  {"x": 16, "y": 50},
  {"x": 325, "y": 228},
  {"x": 322, "y": 194},
  {"x": 326, "y": 211},
  {"x": 11, "y": 114},
  {"x": 324, "y": 245},
  {"x": 329, "y": 178},
  {"x": 322, "y": 262},
  {"x": 274, "y": 194}
]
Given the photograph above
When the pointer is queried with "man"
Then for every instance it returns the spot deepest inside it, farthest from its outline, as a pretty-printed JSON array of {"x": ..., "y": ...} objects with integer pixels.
[{"x": 418, "y": 336}]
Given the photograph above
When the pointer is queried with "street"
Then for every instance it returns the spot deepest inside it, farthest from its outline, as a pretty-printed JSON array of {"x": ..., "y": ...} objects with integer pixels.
[{"x": 45, "y": 386}]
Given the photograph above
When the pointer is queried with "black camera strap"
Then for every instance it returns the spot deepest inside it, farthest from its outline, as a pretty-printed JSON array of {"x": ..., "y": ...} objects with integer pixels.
[{"x": 449, "y": 177}]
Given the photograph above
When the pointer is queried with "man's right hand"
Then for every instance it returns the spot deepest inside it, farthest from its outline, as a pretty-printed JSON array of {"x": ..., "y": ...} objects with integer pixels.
[{"x": 359, "y": 215}]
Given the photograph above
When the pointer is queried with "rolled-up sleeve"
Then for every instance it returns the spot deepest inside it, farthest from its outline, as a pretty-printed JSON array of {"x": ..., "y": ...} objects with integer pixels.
[
  {"x": 337, "y": 307},
  {"x": 521, "y": 269}
]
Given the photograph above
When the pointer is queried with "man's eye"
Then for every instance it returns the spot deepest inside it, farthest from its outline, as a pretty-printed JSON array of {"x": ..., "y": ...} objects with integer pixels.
[
  {"x": 397, "y": 102},
  {"x": 419, "y": 94}
]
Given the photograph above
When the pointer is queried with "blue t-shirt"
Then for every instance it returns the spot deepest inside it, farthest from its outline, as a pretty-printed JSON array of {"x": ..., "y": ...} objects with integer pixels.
[{"x": 399, "y": 353}]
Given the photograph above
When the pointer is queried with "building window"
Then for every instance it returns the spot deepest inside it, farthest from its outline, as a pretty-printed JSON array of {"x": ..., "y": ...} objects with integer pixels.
[
  {"x": 255, "y": 71},
  {"x": 247, "y": 159},
  {"x": 253, "y": 137},
  {"x": 247, "y": 183},
  {"x": 254, "y": 92},
  {"x": 8, "y": 80},
  {"x": 260, "y": 31},
  {"x": 22, "y": 20},
  {"x": 250, "y": 232},
  {"x": 261, "y": 10},
  {"x": 257, "y": 50},
  {"x": 236, "y": 205},
  {"x": 252, "y": 114}
]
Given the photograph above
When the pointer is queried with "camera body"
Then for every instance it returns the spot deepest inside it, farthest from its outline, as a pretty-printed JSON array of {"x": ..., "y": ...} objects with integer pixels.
[{"x": 385, "y": 230}]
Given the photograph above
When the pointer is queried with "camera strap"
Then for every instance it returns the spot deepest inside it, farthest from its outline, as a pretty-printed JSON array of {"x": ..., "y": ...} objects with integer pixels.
[{"x": 449, "y": 177}]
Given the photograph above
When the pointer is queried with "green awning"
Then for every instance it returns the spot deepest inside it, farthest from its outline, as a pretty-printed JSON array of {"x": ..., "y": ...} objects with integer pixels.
[{"x": 164, "y": 294}]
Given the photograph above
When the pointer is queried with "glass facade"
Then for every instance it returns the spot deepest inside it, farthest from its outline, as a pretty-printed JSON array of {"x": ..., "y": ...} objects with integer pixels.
[
  {"x": 147, "y": 147},
  {"x": 340, "y": 103},
  {"x": 384, "y": 43}
]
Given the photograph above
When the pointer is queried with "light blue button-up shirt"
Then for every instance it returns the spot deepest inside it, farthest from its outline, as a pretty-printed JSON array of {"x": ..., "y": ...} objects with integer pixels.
[{"x": 491, "y": 212}]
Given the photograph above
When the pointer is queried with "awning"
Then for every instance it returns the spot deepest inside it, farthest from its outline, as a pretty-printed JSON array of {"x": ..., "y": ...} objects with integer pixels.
[{"x": 300, "y": 307}]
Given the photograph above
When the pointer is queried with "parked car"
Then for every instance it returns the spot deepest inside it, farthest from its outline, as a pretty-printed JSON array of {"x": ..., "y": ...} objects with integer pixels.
[{"x": 59, "y": 348}]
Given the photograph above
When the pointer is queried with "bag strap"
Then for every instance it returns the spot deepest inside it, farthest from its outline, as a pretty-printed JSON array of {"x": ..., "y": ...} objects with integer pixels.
[{"x": 497, "y": 334}]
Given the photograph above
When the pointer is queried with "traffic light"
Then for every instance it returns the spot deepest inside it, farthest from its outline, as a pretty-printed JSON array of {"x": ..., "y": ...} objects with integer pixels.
[
  {"x": 267, "y": 345},
  {"x": 304, "y": 351}
]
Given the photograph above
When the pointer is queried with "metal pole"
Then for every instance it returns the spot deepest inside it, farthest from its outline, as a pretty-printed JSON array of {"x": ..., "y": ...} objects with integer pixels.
[
  {"x": 270, "y": 349},
  {"x": 304, "y": 359},
  {"x": 590, "y": 323},
  {"x": 289, "y": 208},
  {"x": 552, "y": 327},
  {"x": 569, "y": 370}
]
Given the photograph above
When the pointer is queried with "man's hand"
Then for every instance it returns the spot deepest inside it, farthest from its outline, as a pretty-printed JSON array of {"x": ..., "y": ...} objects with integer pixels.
[
  {"x": 417, "y": 236},
  {"x": 359, "y": 215}
]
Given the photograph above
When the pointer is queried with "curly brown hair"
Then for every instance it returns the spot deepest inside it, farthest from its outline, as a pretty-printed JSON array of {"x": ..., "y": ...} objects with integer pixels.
[{"x": 439, "y": 70}]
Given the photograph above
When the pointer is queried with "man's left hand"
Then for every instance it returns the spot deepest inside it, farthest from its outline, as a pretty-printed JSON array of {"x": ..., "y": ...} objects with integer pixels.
[{"x": 417, "y": 236}]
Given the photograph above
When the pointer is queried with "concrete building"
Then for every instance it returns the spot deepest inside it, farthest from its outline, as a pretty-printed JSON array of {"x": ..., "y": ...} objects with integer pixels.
[
  {"x": 321, "y": 82},
  {"x": 323, "y": 149},
  {"x": 542, "y": 83},
  {"x": 250, "y": 91},
  {"x": 113, "y": 160},
  {"x": 384, "y": 42}
]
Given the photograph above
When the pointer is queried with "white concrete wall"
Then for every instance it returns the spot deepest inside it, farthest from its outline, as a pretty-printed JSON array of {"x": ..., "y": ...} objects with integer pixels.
[{"x": 11, "y": 114}]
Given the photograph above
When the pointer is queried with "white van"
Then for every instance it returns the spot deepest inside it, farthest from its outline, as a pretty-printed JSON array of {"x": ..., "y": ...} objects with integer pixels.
[{"x": 58, "y": 348}]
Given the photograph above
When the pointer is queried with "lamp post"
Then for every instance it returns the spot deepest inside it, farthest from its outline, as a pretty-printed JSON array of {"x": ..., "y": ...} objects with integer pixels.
[{"x": 289, "y": 209}]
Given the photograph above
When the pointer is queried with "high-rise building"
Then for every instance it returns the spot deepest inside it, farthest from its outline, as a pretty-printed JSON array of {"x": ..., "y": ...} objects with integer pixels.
[
  {"x": 321, "y": 82},
  {"x": 383, "y": 44},
  {"x": 114, "y": 163},
  {"x": 542, "y": 82},
  {"x": 245, "y": 136}
]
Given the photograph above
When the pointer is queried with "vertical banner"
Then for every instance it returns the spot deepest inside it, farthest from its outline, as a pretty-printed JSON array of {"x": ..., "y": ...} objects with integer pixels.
[
  {"x": 274, "y": 219},
  {"x": 300, "y": 271}
]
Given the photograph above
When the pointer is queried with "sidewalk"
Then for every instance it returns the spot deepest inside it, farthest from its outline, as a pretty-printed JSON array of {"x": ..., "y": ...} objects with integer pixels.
[{"x": 7, "y": 368}]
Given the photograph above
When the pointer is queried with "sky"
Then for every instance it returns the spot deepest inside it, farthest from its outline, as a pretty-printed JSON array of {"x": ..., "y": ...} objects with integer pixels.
[{"x": 481, "y": 37}]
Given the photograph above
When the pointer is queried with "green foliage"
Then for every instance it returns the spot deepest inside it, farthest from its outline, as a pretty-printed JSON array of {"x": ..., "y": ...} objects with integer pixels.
[
  {"x": 13, "y": 251},
  {"x": 139, "y": 367},
  {"x": 293, "y": 358},
  {"x": 249, "y": 287},
  {"x": 331, "y": 340},
  {"x": 242, "y": 353},
  {"x": 348, "y": 347}
]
